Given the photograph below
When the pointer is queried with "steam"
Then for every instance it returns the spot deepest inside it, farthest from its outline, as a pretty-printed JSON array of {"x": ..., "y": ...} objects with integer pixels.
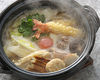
[{"x": 70, "y": 7}]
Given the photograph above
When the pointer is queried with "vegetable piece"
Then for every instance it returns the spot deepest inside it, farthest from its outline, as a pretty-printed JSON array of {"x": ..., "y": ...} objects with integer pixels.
[
  {"x": 15, "y": 33},
  {"x": 26, "y": 27},
  {"x": 77, "y": 46},
  {"x": 45, "y": 43},
  {"x": 39, "y": 17},
  {"x": 61, "y": 29},
  {"x": 24, "y": 42},
  {"x": 55, "y": 65},
  {"x": 27, "y": 24},
  {"x": 8, "y": 53},
  {"x": 20, "y": 51},
  {"x": 12, "y": 49}
]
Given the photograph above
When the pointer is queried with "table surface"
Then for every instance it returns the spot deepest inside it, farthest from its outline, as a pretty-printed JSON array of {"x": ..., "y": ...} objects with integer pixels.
[{"x": 89, "y": 73}]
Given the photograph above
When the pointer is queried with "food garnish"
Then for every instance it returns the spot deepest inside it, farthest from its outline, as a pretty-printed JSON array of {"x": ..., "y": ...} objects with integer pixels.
[{"x": 27, "y": 25}]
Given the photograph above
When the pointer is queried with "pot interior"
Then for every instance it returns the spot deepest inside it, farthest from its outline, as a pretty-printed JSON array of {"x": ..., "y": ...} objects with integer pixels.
[{"x": 66, "y": 13}]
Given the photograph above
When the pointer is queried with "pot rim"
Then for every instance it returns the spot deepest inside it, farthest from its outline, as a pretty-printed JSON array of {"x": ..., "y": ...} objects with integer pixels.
[{"x": 88, "y": 47}]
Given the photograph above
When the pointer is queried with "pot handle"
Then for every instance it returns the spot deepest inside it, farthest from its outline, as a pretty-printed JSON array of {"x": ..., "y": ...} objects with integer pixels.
[{"x": 93, "y": 17}]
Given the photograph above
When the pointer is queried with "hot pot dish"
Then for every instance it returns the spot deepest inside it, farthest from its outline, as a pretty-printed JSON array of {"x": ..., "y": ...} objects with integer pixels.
[{"x": 46, "y": 39}]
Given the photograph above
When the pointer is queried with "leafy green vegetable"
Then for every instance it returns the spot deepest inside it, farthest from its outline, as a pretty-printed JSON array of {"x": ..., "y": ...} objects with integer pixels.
[
  {"x": 15, "y": 33},
  {"x": 29, "y": 17},
  {"x": 36, "y": 16},
  {"x": 39, "y": 17},
  {"x": 34, "y": 38},
  {"x": 26, "y": 26}
]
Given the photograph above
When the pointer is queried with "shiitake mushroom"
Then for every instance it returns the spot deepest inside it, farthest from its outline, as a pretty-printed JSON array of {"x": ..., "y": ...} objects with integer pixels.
[{"x": 77, "y": 46}]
